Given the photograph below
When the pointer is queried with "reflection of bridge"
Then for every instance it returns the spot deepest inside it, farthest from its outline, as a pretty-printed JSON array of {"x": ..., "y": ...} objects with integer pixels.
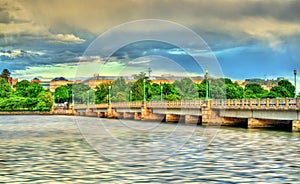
[{"x": 246, "y": 112}]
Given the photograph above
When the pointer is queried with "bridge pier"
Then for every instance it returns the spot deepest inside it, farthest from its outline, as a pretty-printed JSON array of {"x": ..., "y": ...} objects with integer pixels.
[
  {"x": 191, "y": 119},
  {"x": 101, "y": 115},
  {"x": 268, "y": 123},
  {"x": 137, "y": 116},
  {"x": 89, "y": 112},
  {"x": 296, "y": 125},
  {"x": 128, "y": 115},
  {"x": 229, "y": 121},
  {"x": 172, "y": 118}
]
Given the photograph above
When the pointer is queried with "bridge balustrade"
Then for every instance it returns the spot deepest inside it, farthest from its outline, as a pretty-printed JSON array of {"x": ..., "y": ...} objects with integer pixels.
[{"x": 276, "y": 103}]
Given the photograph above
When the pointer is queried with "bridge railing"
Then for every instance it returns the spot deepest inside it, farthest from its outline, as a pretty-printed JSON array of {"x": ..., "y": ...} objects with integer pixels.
[
  {"x": 277, "y": 103},
  {"x": 176, "y": 104},
  {"x": 127, "y": 105}
]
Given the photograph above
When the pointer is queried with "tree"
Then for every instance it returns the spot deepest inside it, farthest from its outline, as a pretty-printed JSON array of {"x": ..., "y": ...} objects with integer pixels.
[
  {"x": 138, "y": 89},
  {"x": 34, "y": 89},
  {"x": 5, "y": 74},
  {"x": 61, "y": 94},
  {"x": 101, "y": 93},
  {"x": 288, "y": 86},
  {"x": 119, "y": 90},
  {"x": 233, "y": 91},
  {"x": 187, "y": 89},
  {"x": 5, "y": 89},
  {"x": 217, "y": 88},
  {"x": 81, "y": 92},
  {"x": 21, "y": 88},
  {"x": 254, "y": 87},
  {"x": 278, "y": 91},
  {"x": 45, "y": 101}
]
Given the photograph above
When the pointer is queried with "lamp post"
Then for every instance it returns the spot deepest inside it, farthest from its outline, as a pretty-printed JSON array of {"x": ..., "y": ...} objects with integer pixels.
[
  {"x": 73, "y": 99},
  {"x": 161, "y": 97},
  {"x": 206, "y": 82},
  {"x": 88, "y": 98},
  {"x": 130, "y": 95},
  {"x": 144, "y": 84},
  {"x": 109, "y": 101},
  {"x": 295, "y": 73}
]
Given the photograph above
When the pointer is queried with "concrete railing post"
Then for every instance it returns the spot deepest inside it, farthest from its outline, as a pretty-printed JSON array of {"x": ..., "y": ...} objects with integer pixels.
[
  {"x": 297, "y": 102},
  {"x": 235, "y": 102},
  {"x": 228, "y": 102},
  {"x": 268, "y": 102},
  {"x": 276, "y": 103},
  {"x": 250, "y": 102},
  {"x": 287, "y": 102},
  {"x": 243, "y": 103},
  {"x": 258, "y": 102}
]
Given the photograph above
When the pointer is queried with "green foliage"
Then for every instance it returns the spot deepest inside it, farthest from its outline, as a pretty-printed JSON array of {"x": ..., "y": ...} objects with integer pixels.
[
  {"x": 62, "y": 94},
  {"x": 5, "y": 89},
  {"x": 27, "y": 96},
  {"x": 138, "y": 89},
  {"x": 101, "y": 93},
  {"x": 21, "y": 88},
  {"x": 288, "y": 86},
  {"x": 254, "y": 87},
  {"x": 279, "y": 91},
  {"x": 45, "y": 101},
  {"x": 34, "y": 89},
  {"x": 82, "y": 93},
  {"x": 170, "y": 92},
  {"x": 187, "y": 89},
  {"x": 233, "y": 91}
]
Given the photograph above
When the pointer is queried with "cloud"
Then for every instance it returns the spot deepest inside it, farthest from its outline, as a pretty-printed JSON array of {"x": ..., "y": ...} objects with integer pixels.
[
  {"x": 19, "y": 53},
  {"x": 66, "y": 38}
]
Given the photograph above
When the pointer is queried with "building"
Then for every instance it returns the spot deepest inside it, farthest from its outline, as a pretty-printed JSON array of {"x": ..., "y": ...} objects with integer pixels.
[
  {"x": 37, "y": 80},
  {"x": 60, "y": 81},
  {"x": 12, "y": 81}
]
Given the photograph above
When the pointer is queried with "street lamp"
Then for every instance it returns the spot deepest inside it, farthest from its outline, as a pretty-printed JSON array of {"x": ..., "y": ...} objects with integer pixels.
[
  {"x": 206, "y": 81},
  {"x": 295, "y": 73},
  {"x": 88, "y": 97},
  {"x": 144, "y": 83},
  {"x": 130, "y": 95},
  {"x": 109, "y": 101},
  {"x": 73, "y": 99},
  {"x": 161, "y": 88}
]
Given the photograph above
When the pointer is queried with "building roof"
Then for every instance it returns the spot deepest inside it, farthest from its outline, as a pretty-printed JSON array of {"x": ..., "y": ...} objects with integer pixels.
[{"x": 59, "y": 79}]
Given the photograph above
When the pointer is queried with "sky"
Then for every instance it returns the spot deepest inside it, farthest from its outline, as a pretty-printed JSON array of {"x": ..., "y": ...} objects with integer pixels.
[{"x": 249, "y": 38}]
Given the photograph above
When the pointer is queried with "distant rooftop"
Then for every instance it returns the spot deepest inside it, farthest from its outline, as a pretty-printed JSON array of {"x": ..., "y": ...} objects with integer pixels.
[{"x": 59, "y": 79}]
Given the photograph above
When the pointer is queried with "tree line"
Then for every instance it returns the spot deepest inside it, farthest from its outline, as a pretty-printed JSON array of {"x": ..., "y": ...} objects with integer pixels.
[
  {"x": 23, "y": 96},
  {"x": 184, "y": 89}
]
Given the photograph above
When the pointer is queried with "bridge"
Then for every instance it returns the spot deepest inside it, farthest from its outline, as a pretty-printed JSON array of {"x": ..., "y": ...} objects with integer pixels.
[{"x": 251, "y": 113}]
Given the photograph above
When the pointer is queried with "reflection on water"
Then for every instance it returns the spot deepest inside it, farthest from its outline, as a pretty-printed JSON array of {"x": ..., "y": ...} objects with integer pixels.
[{"x": 40, "y": 149}]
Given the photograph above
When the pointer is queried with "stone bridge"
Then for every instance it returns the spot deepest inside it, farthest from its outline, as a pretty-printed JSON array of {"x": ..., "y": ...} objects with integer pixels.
[{"x": 249, "y": 113}]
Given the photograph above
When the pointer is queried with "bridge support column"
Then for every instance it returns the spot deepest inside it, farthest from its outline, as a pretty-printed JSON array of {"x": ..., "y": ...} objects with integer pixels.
[
  {"x": 296, "y": 126},
  {"x": 268, "y": 123},
  {"x": 101, "y": 115},
  {"x": 89, "y": 112},
  {"x": 190, "y": 119},
  {"x": 128, "y": 115},
  {"x": 209, "y": 116},
  {"x": 172, "y": 118},
  {"x": 240, "y": 122},
  {"x": 111, "y": 113}
]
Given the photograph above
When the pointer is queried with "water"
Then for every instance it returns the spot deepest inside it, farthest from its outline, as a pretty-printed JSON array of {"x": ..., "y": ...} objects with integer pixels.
[{"x": 45, "y": 149}]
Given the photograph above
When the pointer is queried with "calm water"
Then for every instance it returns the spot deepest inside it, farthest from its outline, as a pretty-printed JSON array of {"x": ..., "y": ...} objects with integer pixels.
[{"x": 61, "y": 149}]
